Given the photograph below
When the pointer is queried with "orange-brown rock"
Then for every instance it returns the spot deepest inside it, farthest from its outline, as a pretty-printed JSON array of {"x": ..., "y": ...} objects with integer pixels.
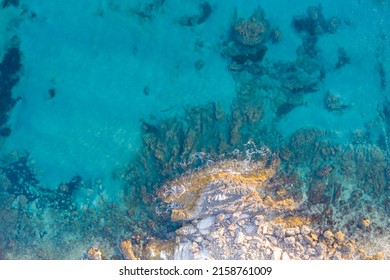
[
  {"x": 94, "y": 253},
  {"x": 159, "y": 250},
  {"x": 366, "y": 222},
  {"x": 226, "y": 180},
  {"x": 339, "y": 236},
  {"x": 127, "y": 250}
]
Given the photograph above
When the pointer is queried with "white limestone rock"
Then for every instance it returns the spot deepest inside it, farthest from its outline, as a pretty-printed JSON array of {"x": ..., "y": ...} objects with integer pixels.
[{"x": 277, "y": 254}]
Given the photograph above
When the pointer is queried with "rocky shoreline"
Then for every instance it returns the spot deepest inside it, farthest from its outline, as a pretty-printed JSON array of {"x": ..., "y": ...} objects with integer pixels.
[{"x": 230, "y": 210}]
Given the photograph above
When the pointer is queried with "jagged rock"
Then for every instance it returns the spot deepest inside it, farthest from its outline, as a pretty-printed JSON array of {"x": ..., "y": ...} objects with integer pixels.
[
  {"x": 250, "y": 229},
  {"x": 289, "y": 240},
  {"x": 328, "y": 235},
  {"x": 314, "y": 236},
  {"x": 222, "y": 187},
  {"x": 285, "y": 256},
  {"x": 205, "y": 224},
  {"x": 273, "y": 240},
  {"x": 159, "y": 250},
  {"x": 239, "y": 238},
  {"x": 305, "y": 230},
  {"x": 320, "y": 248},
  {"x": 311, "y": 251},
  {"x": 127, "y": 250},
  {"x": 308, "y": 240},
  {"x": 94, "y": 253},
  {"x": 366, "y": 222},
  {"x": 277, "y": 254},
  {"x": 339, "y": 236},
  {"x": 186, "y": 230},
  {"x": 232, "y": 227},
  {"x": 220, "y": 217},
  {"x": 290, "y": 232},
  {"x": 241, "y": 216}
]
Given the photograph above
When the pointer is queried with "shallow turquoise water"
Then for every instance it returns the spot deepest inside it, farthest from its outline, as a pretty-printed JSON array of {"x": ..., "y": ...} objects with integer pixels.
[
  {"x": 113, "y": 64},
  {"x": 99, "y": 67}
]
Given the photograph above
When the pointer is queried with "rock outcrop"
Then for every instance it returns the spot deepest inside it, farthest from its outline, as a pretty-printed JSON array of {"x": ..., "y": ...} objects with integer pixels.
[
  {"x": 227, "y": 186},
  {"x": 234, "y": 209}
]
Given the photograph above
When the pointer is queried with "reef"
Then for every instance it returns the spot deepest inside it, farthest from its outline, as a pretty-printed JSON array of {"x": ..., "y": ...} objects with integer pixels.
[
  {"x": 333, "y": 102},
  {"x": 314, "y": 23},
  {"x": 193, "y": 20},
  {"x": 313, "y": 198},
  {"x": 36, "y": 218},
  {"x": 344, "y": 182},
  {"x": 7, "y": 3},
  {"x": 311, "y": 26},
  {"x": 248, "y": 39},
  {"x": 19, "y": 179},
  {"x": 9, "y": 77},
  {"x": 251, "y": 32}
]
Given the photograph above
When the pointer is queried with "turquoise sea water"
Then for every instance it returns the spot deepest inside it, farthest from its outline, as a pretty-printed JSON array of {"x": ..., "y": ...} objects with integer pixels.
[{"x": 96, "y": 77}]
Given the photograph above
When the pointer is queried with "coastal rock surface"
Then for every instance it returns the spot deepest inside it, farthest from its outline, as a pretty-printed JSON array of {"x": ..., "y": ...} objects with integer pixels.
[{"x": 232, "y": 210}]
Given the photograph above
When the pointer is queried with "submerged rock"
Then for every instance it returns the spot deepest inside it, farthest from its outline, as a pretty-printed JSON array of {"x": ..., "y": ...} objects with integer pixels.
[
  {"x": 314, "y": 22},
  {"x": 7, "y": 3},
  {"x": 251, "y": 32},
  {"x": 193, "y": 20},
  {"x": 127, "y": 250},
  {"x": 333, "y": 102},
  {"x": 11, "y": 64}
]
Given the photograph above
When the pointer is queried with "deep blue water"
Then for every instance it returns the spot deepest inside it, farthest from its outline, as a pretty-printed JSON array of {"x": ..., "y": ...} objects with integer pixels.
[{"x": 90, "y": 88}]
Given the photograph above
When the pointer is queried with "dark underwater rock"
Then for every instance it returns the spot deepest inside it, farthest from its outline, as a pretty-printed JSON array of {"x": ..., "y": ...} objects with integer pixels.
[
  {"x": 205, "y": 12},
  {"x": 333, "y": 102},
  {"x": 284, "y": 109},
  {"x": 254, "y": 54},
  {"x": 318, "y": 193},
  {"x": 9, "y": 69},
  {"x": 251, "y": 32},
  {"x": 314, "y": 22},
  {"x": 7, "y": 3},
  {"x": 343, "y": 58}
]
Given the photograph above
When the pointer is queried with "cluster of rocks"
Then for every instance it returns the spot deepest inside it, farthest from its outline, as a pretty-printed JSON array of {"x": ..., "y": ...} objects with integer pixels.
[
  {"x": 242, "y": 217},
  {"x": 333, "y": 102},
  {"x": 251, "y": 32},
  {"x": 248, "y": 37},
  {"x": 169, "y": 144},
  {"x": 241, "y": 236},
  {"x": 312, "y": 25},
  {"x": 314, "y": 22},
  {"x": 17, "y": 179},
  {"x": 249, "y": 226}
]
